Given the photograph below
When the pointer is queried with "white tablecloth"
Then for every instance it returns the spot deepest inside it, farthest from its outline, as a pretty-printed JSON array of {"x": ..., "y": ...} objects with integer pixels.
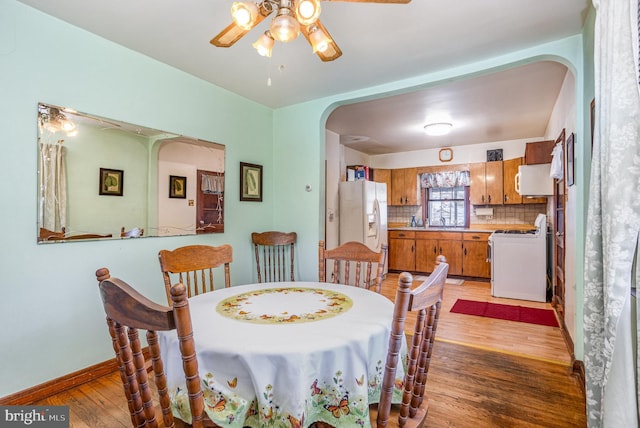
[{"x": 285, "y": 354}]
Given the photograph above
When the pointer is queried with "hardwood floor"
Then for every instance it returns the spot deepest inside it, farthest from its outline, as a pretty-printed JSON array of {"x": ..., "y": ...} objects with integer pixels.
[{"x": 483, "y": 373}]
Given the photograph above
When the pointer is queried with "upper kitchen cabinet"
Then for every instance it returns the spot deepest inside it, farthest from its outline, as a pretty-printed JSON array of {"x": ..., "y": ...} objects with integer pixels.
[
  {"x": 486, "y": 183},
  {"x": 404, "y": 187},
  {"x": 383, "y": 176},
  {"x": 509, "y": 172},
  {"x": 511, "y": 195}
]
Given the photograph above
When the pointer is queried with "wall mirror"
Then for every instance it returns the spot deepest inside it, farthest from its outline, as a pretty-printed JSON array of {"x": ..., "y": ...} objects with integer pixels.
[{"x": 100, "y": 178}]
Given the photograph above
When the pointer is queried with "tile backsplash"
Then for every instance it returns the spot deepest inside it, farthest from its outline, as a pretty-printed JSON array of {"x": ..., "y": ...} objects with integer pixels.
[{"x": 502, "y": 214}]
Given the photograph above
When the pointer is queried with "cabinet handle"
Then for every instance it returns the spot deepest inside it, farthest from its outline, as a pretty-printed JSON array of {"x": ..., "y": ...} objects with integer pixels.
[
  {"x": 400, "y": 200},
  {"x": 435, "y": 250},
  {"x": 465, "y": 251},
  {"x": 483, "y": 198},
  {"x": 506, "y": 198},
  {"x": 489, "y": 198},
  {"x": 406, "y": 200}
]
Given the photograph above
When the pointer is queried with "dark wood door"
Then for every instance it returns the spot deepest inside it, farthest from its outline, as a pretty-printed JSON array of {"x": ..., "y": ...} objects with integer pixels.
[
  {"x": 559, "y": 198},
  {"x": 210, "y": 205}
]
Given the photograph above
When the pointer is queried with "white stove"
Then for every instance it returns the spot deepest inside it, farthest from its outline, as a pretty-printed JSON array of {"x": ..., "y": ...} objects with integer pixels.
[{"x": 519, "y": 262}]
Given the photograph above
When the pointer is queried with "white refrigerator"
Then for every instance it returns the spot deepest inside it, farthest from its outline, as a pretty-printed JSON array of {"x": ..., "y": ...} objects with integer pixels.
[{"x": 363, "y": 214}]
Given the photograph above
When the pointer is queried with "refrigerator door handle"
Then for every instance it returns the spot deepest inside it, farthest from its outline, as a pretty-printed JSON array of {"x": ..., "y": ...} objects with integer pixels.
[{"x": 377, "y": 220}]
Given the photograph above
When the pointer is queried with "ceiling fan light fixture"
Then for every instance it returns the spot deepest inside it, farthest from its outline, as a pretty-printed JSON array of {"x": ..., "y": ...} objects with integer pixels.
[
  {"x": 244, "y": 14},
  {"x": 284, "y": 26},
  {"x": 319, "y": 40},
  {"x": 307, "y": 11},
  {"x": 264, "y": 44},
  {"x": 438, "y": 128}
]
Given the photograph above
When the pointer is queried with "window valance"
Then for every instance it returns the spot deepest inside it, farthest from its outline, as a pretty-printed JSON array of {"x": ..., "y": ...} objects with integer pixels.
[
  {"x": 444, "y": 179},
  {"x": 212, "y": 184}
]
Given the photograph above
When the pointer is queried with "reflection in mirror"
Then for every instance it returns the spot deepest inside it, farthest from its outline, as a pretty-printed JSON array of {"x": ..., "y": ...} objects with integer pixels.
[{"x": 100, "y": 178}]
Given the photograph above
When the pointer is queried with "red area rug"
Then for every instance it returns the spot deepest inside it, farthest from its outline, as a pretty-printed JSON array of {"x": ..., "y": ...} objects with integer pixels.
[{"x": 506, "y": 312}]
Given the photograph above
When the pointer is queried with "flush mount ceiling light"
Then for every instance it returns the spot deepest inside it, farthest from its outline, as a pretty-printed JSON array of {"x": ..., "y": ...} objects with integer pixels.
[
  {"x": 439, "y": 128},
  {"x": 292, "y": 17}
]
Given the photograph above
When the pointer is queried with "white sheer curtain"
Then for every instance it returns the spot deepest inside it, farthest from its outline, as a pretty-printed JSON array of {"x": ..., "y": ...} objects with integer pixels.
[
  {"x": 53, "y": 187},
  {"x": 611, "y": 253}
]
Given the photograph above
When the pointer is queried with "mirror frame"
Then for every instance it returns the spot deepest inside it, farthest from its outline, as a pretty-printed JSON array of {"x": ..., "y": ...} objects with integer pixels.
[{"x": 101, "y": 178}]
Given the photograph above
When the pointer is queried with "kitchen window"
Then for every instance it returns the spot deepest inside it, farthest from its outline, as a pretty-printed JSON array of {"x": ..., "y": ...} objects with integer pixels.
[{"x": 445, "y": 197}]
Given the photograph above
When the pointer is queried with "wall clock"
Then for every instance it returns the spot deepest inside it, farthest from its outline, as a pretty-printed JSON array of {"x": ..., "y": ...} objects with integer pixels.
[{"x": 445, "y": 155}]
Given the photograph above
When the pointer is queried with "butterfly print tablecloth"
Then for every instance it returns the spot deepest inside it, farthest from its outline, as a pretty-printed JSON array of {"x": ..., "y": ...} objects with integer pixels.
[{"x": 285, "y": 354}]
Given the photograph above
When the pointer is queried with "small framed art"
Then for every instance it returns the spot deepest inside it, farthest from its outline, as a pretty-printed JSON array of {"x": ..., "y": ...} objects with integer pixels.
[
  {"x": 250, "y": 182},
  {"x": 177, "y": 187},
  {"x": 111, "y": 182}
]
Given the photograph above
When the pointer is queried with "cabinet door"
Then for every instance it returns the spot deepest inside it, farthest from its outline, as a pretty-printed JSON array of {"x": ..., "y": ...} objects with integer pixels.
[
  {"x": 477, "y": 190},
  {"x": 404, "y": 187},
  {"x": 383, "y": 176},
  {"x": 452, "y": 250},
  {"x": 411, "y": 186},
  {"x": 426, "y": 253},
  {"x": 509, "y": 171},
  {"x": 397, "y": 187},
  {"x": 493, "y": 180},
  {"x": 474, "y": 259},
  {"x": 401, "y": 254}
]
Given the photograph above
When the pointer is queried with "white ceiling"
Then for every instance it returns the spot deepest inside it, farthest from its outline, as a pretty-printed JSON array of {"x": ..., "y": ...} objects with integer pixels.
[{"x": 380, "y": 43}]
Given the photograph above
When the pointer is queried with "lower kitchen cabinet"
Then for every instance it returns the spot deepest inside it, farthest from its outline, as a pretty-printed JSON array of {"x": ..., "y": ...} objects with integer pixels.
[
  {"x": 431, "y": 244},
  {"x": 402, "y": 254},
  {"x": 474, "y": 255},
  {"x": 416, "y": 251}
]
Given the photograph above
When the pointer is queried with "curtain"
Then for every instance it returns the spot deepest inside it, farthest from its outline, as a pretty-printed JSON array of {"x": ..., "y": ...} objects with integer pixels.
[
  {"x": 53, "y": 187},
  {"x": 613, "y": 224},
  {"x": 444, "y": 179},
  {"x": 212, "y": 184}
]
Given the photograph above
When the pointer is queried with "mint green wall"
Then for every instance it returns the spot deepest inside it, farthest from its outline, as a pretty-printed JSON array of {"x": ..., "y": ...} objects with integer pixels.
[
  {"x": 53, "y": 322},
  {"x": 86, "y": 153},
  {"x": 53, "y": 319}
]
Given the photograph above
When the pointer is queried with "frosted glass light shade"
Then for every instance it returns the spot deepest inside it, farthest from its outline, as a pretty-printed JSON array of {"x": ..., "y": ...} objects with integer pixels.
[
  {"x": 284, "y": 27},
  {"x": 440, "y": 128},
  {"x": 308, "y": 11},
  {"x": 244, "y": 14},
  {"x": 319, "y": 40},
  {"x": 264, "y": 44}
]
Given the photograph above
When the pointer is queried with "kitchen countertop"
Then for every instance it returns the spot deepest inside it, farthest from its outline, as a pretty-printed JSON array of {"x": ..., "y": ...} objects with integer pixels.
[{"x": 472, "y": 228}]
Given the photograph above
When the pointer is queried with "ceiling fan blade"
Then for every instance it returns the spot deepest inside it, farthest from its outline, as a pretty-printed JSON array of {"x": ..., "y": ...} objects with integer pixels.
[
  {"x": 332, "y": 52},
  {"x": 234, "y": 32},
  {"x": 374, "y": 1}
]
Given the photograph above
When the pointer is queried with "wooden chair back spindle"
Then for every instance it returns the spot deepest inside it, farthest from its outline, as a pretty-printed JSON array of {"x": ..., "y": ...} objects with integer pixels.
[
  {"x": 193, "y": 266},
  {"x": 353, "y": 255},
  {"x": 275, "y": 255},
  {"x": 425, "y": 301}
]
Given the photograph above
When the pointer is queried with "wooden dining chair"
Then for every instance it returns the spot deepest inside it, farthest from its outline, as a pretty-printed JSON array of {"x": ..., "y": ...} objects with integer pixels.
[
  {"x": 133, "y": 233},
  {"x": 193, "y": 266},
  {"x": 127, "y": 312},
  {"x": 274, "y": 255},
  {"x": 51, "y": 235},
  {"x": 425, "y": 302},
  {"x": 347, "y": 255}
]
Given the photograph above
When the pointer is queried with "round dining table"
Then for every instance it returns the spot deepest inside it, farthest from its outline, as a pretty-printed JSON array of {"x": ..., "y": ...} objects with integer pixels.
[{"x": 285, "y": 354}]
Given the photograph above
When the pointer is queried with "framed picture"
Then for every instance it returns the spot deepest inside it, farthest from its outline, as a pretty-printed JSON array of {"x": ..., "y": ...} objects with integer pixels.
[
  {"x": 250, "y": 182},
  {"x": 570, "y": 163},
  {"x": 111, "y": 182},
  {"x": 177, "y": 187}
]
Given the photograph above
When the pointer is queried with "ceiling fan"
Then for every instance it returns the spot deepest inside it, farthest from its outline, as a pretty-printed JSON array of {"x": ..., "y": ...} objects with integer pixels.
[{"x": 291, "y": 18}]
